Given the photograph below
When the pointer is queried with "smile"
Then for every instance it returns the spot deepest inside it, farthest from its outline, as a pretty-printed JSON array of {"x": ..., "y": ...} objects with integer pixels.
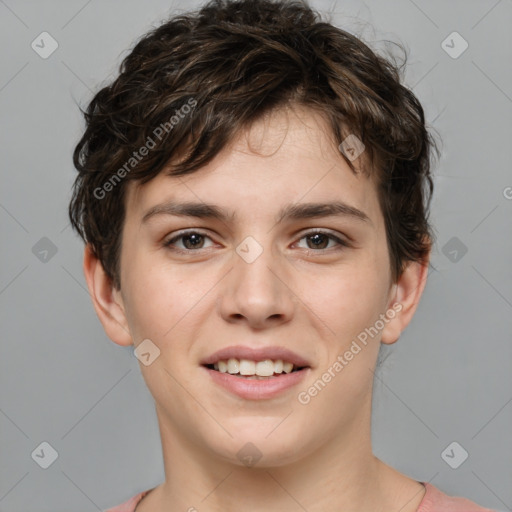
[
  {"x": 253, "y": 386},
  {"x": 248, "y": 369}
]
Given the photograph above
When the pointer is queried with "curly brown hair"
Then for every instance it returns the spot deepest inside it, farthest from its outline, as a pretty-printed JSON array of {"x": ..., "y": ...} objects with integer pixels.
[{"x": 231, "y": 62}]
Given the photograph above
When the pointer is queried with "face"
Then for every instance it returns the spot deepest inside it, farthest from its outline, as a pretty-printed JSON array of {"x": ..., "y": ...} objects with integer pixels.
[{"x": 263, "y": 281}]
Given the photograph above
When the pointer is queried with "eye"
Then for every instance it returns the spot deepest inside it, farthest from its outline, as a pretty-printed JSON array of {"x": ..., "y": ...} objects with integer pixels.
[
  {"x": 192, "y": 240},
  {"x": 320, "y": 238}
]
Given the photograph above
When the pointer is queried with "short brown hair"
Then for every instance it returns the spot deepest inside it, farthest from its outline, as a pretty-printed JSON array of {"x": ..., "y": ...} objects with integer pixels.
[{"x": 235, "y": 61}]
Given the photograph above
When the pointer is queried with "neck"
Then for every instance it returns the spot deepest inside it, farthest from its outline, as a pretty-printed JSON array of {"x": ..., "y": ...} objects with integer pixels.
[{"x": 340, "y": 474}]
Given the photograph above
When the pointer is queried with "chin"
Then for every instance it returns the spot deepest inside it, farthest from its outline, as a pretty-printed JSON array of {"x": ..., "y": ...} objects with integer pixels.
[{"x": 259, "y": 446}]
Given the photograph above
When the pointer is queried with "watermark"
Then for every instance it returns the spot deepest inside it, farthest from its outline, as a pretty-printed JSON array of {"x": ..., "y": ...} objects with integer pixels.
[
  {"x": 454, "y": 455},
  {"x": 249, "y": 455},
  {"x": 146, "y": 352},
  {"x": 352, "y": 147},
  {"x": 304, "y": 397},
  {"x": 454, "y": 45},
  {"x": 44, "y": 45},
  {"x": 149, "y": 144},
  {"x": 45, "y": 455}
]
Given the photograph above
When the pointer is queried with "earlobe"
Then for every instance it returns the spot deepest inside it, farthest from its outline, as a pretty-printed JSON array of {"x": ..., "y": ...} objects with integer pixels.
[
  {"x": 106, "y": 300},
  {"x": 402, "y": 306}
]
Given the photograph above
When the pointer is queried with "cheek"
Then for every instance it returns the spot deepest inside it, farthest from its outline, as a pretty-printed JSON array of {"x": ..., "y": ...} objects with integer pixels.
[
  {"x": 155, "y": 296},
  {"x": 165, "y": 299},
  {"x": 346, "y": 299}
]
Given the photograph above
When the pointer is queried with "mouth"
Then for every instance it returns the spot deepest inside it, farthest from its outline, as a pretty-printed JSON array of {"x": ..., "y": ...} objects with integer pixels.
[
  {"x": 256, "y": 373},
  {"x": 255, "y": 370}
]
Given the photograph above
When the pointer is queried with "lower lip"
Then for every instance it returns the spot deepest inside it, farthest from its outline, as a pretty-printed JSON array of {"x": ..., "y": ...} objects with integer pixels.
[{"x": 257, "y": 389}]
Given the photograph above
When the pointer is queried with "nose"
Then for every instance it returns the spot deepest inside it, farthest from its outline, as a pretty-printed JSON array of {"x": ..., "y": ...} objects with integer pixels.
[{"x": 257, "y": 291}]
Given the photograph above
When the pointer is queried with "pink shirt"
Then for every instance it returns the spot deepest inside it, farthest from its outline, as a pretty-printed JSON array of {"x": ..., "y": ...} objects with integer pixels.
[{"x": 434, "y": 500}]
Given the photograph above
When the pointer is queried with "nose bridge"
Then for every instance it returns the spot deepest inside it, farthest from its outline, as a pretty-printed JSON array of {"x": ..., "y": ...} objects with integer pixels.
[{"x": 255, "y": 287}]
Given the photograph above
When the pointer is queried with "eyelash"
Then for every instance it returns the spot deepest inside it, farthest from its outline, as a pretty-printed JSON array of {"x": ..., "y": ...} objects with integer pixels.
[{"x": 168, "y": 244}]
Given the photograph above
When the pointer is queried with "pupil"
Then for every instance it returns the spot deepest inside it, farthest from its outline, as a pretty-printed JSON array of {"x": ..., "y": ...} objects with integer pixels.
[
  {"x": 316, "y": 237},
  {"x": 195, "y": 237}
]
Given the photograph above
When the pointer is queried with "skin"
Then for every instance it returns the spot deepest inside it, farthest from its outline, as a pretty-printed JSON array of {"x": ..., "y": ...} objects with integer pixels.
[{"x": 316, "y": 456}]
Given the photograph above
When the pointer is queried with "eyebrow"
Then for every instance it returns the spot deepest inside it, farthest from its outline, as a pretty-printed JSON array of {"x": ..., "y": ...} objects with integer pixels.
[{"x": 294, "y": 211}]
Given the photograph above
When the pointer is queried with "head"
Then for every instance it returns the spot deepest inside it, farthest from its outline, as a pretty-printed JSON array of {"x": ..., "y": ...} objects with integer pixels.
[{"x": 250, "y": 110}]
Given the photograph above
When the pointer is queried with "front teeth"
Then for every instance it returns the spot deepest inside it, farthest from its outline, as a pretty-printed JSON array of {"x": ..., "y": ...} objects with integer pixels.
[
  {"x": 246, "y": 367},
  {"x": 233, "y": 366}
]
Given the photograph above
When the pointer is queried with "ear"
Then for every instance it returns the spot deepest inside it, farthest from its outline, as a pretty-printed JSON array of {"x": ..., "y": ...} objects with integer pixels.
[
  {"x": 405, "y": 296},
  {"x": 107, "y": 301}
]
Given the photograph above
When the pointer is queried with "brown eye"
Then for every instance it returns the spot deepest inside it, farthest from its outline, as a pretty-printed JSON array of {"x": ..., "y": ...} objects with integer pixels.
[
  {"x": 319, "y": 240},
  {"x": 191, "y": 240}
]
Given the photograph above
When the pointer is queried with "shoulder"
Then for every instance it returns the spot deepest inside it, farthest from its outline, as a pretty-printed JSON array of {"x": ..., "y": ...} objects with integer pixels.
[
  {"x": 129, "y": 506},
  {"x": 437, "y": 501}
]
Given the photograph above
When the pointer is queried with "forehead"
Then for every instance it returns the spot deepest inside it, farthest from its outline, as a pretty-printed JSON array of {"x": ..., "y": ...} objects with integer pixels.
[{"x": 288, "y": 156}]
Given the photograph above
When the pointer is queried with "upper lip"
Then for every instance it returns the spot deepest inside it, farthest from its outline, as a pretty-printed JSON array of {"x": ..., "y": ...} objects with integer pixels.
[{"x": 255, "y": 354}]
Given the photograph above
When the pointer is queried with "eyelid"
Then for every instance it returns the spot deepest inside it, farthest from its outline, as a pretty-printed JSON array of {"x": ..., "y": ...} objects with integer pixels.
[{"x": 324, "y": 231}]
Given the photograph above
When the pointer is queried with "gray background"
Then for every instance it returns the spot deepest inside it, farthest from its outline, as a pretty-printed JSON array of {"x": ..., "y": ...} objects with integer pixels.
[{"x": 64, "y": 382}]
